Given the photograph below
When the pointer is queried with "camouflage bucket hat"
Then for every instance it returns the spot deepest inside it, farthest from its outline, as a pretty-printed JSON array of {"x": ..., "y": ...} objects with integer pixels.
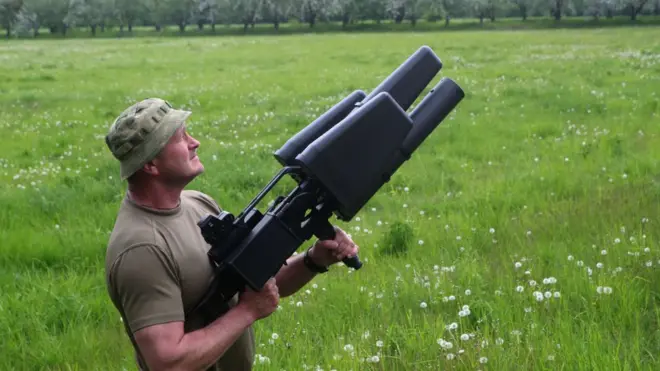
[{"x": 139, "y": 133}]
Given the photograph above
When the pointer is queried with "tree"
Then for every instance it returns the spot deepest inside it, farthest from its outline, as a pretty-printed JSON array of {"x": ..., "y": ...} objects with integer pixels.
[
  {"x": 277, "y": 11},
  {"x": 9, "y": 10},
  {"x": 54, "y": 14},
  {"x": 127, "y": 12},
  {"x": 247, "y": 11},
  {"x": 635, "y": 7},
  {"x": 156, "y": 12}
]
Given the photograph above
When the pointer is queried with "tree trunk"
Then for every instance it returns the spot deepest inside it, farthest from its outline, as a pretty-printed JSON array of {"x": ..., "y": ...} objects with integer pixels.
[
  {"x": 557, "y": 10},
  {"x": 93, "y": 27},
  {"x": 636, "y": 10}
]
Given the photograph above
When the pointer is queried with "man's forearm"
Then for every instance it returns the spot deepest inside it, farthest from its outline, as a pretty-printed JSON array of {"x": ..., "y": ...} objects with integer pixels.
[
  {"x": 202, "y": 348},
  {"x": 293, "y": 276}
]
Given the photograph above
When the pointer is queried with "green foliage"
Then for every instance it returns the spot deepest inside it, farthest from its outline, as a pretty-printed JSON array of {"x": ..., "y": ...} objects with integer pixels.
[{"x": 397, "y": 240}]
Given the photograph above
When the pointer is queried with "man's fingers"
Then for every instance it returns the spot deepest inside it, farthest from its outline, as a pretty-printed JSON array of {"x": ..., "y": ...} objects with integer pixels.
[
  {"x": 341, "y": 246},
  {"x": 352, "y": 251},
  {"x": 342, "y": 236},
  {"x": 345, "y": 250},
  {"x": 330, "y": 244}
]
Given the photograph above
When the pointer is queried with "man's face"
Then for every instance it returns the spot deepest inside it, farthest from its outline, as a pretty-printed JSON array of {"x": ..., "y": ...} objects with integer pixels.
[{"x": 178, "y": 163}]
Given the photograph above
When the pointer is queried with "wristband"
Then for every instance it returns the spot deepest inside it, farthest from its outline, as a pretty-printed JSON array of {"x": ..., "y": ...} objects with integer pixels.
[{"x": 311, "y": 265}]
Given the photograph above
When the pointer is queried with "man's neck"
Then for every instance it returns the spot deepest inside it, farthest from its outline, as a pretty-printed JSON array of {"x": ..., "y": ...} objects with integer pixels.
[{"x": 155, "y": 196}]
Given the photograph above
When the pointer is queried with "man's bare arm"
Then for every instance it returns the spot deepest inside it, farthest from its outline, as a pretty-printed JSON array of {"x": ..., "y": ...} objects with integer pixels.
[
  {"x": 166, "y": 346},
  {"x": 293, "y": 276}
]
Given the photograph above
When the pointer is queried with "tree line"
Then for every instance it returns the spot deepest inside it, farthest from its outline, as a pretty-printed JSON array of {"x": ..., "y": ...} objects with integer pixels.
[{"x": 58, "y": 16}]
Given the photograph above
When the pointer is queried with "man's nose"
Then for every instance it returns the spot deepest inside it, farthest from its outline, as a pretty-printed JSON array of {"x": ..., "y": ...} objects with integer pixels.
[{"x": 194, "y": 143}]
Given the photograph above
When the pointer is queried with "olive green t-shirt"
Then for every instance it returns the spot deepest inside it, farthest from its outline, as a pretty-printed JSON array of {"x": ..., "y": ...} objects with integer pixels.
[{"x": 157, "y": 270}]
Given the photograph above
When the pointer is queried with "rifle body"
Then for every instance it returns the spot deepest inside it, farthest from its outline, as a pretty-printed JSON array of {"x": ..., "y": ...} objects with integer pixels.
[{"x": 339, "y": 162}]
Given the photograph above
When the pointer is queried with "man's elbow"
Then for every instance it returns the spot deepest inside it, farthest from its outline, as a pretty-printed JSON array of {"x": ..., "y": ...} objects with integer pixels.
[
  {"x": 178, "y": 356},
  {"x": 162, "y": 347},
  {"x": 166, "y": 359}
]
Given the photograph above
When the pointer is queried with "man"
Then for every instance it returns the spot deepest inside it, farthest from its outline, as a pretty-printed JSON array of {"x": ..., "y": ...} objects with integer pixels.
[{"x": 157, "y": 268}]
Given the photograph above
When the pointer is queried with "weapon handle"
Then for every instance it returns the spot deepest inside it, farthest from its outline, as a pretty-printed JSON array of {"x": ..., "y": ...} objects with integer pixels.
[{"x": 325, "y": 231}]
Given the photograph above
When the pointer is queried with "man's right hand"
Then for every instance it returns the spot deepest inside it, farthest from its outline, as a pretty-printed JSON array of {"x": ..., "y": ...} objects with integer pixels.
[
  {"x": 167, "y": 347},
  {"x": 261, "y": 303}
]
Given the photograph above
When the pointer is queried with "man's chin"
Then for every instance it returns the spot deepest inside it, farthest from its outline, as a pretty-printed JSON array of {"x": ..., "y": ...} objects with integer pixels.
[{"x": 196, "y": 171}]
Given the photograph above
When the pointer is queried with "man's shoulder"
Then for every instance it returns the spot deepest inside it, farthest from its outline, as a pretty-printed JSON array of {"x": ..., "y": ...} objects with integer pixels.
[
  {"x": 191, "y": 195},
  {"x": 132, "y": 228}
]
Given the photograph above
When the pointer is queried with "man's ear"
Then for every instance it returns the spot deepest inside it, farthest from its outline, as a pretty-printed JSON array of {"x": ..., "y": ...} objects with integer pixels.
[{"x": 150, "y": 168}]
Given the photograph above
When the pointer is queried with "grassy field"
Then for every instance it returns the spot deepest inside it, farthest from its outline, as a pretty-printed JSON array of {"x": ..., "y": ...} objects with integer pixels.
[{"x": 523, "y": 234}]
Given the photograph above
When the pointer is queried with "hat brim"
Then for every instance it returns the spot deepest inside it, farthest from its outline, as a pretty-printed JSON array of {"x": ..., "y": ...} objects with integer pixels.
[{"x": 155, "y": 142}]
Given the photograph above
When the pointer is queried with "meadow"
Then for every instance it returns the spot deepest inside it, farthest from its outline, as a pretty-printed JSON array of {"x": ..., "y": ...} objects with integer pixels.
[{"x": 522, "y": 235}]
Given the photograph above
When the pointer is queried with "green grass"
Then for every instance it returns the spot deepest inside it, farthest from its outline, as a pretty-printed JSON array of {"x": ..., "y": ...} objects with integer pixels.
[{"x": 549, "y": 161}]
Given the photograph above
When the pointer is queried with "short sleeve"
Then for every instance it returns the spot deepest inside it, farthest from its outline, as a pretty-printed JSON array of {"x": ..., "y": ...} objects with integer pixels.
[
  {"x": 146, "y": 287},
  {"x": 205, "y": 199}
]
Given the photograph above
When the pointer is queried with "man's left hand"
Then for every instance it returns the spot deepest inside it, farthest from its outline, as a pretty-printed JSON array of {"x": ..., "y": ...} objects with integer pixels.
[{"x": 328, "y": 252}]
